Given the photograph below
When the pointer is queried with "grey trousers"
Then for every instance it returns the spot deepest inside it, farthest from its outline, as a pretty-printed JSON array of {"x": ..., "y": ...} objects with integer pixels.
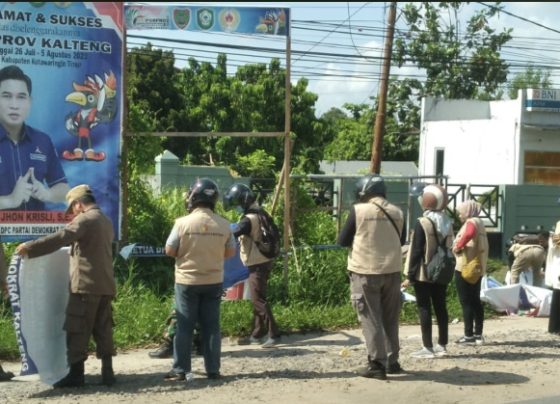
[{"x": 377, "y": 300}]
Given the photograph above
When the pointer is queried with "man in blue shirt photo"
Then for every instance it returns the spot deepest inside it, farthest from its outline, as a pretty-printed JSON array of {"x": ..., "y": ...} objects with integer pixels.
[{"x": 30, "y": 169}]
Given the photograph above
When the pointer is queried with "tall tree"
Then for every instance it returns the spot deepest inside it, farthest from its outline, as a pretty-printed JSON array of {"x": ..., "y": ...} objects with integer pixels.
[
  {"x": 532, "y": 77},
  {"x": 353, "y": 136},
  {"x": 457, "y": 64},
  {"x": 202, "y": 97}
]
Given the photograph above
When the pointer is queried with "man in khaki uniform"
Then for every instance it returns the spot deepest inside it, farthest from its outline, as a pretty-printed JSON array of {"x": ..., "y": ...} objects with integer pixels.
[
  {"x": 527, "y": 257},
  {"x": 92, "y": 283},
  {"x": 373, "y": 231},
  {"x": 4, "y": 376}
]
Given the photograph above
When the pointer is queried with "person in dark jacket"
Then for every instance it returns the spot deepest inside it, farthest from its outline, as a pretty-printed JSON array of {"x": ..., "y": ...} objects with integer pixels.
[
  {"x": 92, "y": 283},
  {"x": 433, "y": 228}
]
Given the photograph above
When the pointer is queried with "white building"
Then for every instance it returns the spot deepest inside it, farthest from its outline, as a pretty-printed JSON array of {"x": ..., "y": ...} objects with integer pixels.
[
  {"x": 492, "y": 142},
  {"x": 359, "y": 167}
]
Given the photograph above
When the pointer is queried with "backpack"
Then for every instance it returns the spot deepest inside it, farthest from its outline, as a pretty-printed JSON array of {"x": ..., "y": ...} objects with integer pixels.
[
  {"x": 269, "y": 242},
  {"x": 525, "y": 238},
  {"x": 442, "y": 264}
]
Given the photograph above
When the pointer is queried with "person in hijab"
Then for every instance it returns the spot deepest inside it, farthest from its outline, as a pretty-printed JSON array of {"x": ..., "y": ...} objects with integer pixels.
[
  {"x": 433, "y": 228},
  {"x": 471, "y": 242}
]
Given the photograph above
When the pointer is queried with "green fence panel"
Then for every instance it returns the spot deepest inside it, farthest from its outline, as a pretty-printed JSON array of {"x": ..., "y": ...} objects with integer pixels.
[{"x": 530, "y": 208}]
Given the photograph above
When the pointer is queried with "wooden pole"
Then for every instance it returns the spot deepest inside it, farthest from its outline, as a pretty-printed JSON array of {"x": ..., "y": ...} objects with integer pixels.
[
  {"x": 287, "y": 156},
  {"x": 379, "y": 128},
  {"x": 124, "y": 147},
  {"x": 277, "y": 190}
]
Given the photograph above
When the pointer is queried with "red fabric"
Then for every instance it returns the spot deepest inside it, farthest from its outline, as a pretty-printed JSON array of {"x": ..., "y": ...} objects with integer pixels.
[{"x": 468, "y": 235}]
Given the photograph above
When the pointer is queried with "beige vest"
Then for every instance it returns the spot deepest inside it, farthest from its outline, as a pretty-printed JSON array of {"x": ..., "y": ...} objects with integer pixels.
[
  {"x": 431, "y": 245},
  {"x": 249, "y": 252},
  {"x": 517, "y": 249},
  {"x": 376, "y": 248},
  {"x": 200, "y": 256},
  {"x": 478, "y": 246}
]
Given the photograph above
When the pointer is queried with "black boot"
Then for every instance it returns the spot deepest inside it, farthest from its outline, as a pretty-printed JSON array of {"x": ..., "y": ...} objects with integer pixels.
[
  {"x": 5, "y": 376},
  {"x": 75, "y": 378},
  {"x": 165, "y": 350},
  {"x": 107, "y": 374},
  {"x": 374, "y": 370}
]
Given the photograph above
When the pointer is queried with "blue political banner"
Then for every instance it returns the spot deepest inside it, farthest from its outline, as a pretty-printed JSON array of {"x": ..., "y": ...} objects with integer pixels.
[
  {"x": 242, "y": 20},
  {"x": 234, "y": 270},
  {"x": 61, "y": 108}
]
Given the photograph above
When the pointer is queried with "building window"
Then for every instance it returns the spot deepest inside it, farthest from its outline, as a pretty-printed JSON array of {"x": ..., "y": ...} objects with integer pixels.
[
  {"x": 542, "y": 168},
  {"x": 440, "y": 154}
]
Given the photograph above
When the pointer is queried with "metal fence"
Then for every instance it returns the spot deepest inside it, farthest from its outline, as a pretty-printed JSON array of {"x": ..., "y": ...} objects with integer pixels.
[{"x": 489, "y": 196}]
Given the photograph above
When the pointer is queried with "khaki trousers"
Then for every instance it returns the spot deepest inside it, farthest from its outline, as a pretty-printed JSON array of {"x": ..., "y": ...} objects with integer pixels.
[
  {"x": 377, "y": 300},
  {"x": 531, "y": 258},
  {"x": 86, "y": 316}
]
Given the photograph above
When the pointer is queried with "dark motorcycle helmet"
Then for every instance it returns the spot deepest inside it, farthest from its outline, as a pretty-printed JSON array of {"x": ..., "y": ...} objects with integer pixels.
[
  {"x": 417, "y": 188},
  {"x": 238, "y": 195},
  {"x": 202, "y": 192},
  {"x": 369, "y": 186}
]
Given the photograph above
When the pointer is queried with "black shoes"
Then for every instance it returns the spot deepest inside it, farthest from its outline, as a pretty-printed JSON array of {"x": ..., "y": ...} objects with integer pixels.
[
  {"x": 464, "y": 340},
  {"x": 5, "y": 376},
  {"x": 75, "y": 378},
  {"x": 107, "y": 374},
  {"x": 164, "y": 351},
  {"x": 374, "y": 370},
  {"x": 173, "y": 376},
  {"x": 394, "y": 368}
]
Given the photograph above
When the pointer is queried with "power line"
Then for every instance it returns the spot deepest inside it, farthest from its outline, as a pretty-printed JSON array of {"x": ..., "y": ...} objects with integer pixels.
[
  {"x": 518, "y": 17},
  {"x": 515, "y": 60},
  {"x": 326, "y": 36}
]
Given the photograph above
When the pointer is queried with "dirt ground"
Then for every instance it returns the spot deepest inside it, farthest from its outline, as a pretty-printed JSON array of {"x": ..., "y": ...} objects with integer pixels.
[{"x": 519, "y": 363}]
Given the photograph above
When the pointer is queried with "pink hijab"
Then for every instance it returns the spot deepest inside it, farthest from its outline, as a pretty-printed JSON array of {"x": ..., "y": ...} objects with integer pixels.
[{"x": 469, "y": 208}]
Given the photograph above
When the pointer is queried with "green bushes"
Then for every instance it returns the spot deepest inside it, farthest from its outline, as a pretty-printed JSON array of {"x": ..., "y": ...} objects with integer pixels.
[
  {"x": 315, "y": 278},
  {"x": 139, "y": 315}
]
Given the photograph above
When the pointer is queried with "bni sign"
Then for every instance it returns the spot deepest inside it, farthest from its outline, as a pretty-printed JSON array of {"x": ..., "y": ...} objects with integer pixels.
[{"x": 543, "y": 100}]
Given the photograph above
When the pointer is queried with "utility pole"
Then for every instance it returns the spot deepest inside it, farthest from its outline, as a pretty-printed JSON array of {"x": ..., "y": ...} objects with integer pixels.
[{"x": 379, "y": 127}]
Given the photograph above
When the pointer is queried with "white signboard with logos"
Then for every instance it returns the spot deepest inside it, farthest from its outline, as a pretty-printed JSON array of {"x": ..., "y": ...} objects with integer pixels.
[{"x": 543, "y": 100}]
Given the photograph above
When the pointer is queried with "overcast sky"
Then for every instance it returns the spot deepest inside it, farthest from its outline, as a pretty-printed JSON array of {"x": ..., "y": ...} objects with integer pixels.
[{"x": 336, "y": 46}]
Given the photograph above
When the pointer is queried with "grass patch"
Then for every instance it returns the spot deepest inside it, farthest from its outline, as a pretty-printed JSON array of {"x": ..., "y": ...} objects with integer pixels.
[{"x": 8, "y": 345}]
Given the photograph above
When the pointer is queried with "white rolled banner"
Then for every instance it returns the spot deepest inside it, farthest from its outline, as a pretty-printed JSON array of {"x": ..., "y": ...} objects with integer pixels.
[{"x": 38, "y": 290}]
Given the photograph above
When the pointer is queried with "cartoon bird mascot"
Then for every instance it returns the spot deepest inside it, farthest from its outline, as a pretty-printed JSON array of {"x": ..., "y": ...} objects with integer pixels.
[{"x": 97, "y": 101}]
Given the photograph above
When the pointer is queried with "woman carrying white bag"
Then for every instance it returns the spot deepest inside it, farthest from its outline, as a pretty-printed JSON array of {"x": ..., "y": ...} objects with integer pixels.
[{"x": 552, "y": 279}]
